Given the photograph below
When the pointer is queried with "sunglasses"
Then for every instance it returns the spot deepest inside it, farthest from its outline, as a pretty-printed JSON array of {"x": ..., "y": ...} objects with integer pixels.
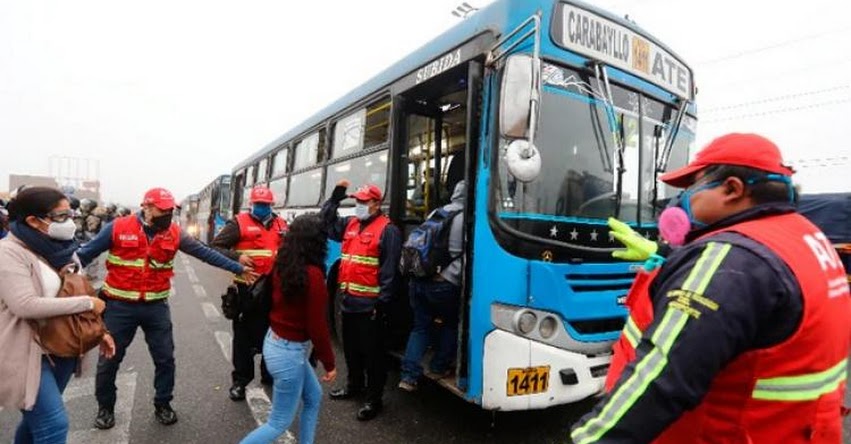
[{"x": 60, "y": 216}]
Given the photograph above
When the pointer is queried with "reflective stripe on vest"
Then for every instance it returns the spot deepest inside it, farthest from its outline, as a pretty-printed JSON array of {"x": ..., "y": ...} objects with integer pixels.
[
  {"x": 360, "y": 288},
  {"x": 135, "y": 295},
  {"x": 631, "y": 332},
  {"x": 115, "y": 260},
  {"x": 256, "y": 253},
  {"x": 801, "y": 387},
  {"x": 161, "y": 266},
  {"x": 364, "y": 260}
]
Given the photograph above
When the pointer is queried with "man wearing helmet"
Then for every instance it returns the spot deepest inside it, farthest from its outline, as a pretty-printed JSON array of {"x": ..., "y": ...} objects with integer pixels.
[{"x": 253, "y": 238}]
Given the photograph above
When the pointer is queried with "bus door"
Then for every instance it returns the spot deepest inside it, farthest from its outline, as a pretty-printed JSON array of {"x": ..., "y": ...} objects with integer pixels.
[{"x": 433, "y": 138}]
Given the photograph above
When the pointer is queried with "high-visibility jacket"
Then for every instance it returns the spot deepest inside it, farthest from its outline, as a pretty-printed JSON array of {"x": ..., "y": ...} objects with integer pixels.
[
  {"x": 258, "y": 242},
  {"x": 138, "y": 269},
  {"x": 359, "y": 260},
  {"x": 789, "y": 393}
]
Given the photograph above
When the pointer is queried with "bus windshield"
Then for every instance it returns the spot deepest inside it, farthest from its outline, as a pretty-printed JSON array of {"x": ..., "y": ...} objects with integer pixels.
[{"x": 579, "y": 135}]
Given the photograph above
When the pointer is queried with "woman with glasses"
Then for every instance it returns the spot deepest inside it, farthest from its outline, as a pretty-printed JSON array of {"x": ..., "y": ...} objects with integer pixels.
[
  {"x": 298, "y": 319},
  {"x": 40, "y": 244}
]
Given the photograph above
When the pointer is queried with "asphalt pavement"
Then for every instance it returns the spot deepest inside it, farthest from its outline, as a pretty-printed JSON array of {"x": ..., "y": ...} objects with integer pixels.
[{"x": 207, "y": 416}]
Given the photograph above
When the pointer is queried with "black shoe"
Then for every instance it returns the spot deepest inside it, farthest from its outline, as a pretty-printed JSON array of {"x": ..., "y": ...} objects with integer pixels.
[
  {"x": 369, "y": 410},
  {"x": 236, "y": 392},
  {"x": 105, "y": 419},
  {"x": 165, "y": 414},
  {"x": 345, "y": 393}
]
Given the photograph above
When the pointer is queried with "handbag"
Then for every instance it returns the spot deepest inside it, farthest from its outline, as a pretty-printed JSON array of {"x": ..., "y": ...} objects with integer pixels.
[{"x": 72, "y": 335}]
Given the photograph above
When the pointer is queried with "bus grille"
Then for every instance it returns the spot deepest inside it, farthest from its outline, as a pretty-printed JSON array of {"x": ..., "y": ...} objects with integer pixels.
[{"x": 614, "y": 284}]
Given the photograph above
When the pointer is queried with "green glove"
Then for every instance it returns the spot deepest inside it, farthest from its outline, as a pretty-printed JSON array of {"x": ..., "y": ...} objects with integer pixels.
[{"x": 637, "y": 247}]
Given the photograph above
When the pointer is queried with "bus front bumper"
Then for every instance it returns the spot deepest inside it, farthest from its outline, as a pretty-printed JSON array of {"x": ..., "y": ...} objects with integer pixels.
[{"x": 571, "y": 376}]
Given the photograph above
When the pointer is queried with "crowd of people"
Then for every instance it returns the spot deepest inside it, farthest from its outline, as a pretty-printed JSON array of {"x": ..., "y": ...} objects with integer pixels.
[{"x": 710, "y": 352}]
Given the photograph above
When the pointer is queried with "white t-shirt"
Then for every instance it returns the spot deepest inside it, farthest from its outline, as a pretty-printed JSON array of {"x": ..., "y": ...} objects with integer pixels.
[{"x": 49, "y": 280}]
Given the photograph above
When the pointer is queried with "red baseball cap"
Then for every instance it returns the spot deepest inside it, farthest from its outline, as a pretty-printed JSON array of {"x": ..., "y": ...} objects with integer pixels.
[
  {"x": 160, "y": 198},
  {"x": 747, "y": 150},
  {"x": 261, "y": 194},
  {"x": 367, "y": 192}
]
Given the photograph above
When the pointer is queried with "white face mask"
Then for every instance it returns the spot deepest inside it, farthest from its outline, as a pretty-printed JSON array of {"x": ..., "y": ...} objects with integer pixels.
[
  {"x": 361, "y": 211},
  {"x": 62, "y": 230}
]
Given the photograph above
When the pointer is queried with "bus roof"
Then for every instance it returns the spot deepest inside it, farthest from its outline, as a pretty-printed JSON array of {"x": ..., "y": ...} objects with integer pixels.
[{"x": 492, "y": 18}]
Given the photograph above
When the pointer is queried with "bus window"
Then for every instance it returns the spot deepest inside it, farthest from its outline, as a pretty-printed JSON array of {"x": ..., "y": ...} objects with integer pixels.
[
  {"x": 360, "y": 171},
  {"x": 279, "y": 163},
  {"x": 251, "y": 175},
  {"x": 377, "y": 123},
  {"x": 308, "y": 189},
  {"x": 279, "y": 189},
  {"x": 348, "y": 134},
  {"x": 263, "y": 170},
  {"x": 307, "y": 151}
]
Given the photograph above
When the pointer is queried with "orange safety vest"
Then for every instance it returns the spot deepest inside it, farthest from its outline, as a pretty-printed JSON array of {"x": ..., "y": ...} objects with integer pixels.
[
  {"x": 139, "y": 270},
  {"x": 258, "y": 242},
  {"x": 789, "y": 393},
  {"x": 359, "y": 261}
]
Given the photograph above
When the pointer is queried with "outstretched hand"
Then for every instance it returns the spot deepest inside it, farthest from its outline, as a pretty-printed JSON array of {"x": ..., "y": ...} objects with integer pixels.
[{"x": 637, "y": 247}]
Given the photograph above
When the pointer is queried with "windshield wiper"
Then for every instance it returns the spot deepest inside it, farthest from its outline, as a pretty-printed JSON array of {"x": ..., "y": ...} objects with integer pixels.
[
  {"x": 618, "y": 133},
  {"x": 665, "y": 155}
]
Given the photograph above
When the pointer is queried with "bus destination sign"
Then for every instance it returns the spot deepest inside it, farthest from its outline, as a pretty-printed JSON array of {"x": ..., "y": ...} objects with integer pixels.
[{"x": 600, "y": 38}]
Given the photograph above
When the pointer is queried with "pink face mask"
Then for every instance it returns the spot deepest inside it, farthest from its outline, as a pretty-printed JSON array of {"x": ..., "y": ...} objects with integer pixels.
[{"x": 674, "y": 224}]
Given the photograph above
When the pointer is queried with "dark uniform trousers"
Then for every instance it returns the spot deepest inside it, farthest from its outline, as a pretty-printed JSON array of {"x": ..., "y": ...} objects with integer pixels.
[
  {"x": 249, "y": 329},
  {"x": 364, "y": 347}
]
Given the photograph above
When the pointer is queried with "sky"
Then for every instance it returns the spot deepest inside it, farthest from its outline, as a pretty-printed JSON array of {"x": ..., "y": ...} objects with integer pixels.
[{"x": 174, "y": 93}]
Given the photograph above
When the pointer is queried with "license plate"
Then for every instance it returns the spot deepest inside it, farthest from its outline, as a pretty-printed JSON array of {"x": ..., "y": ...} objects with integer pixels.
[{"x": 528, "y": 381}]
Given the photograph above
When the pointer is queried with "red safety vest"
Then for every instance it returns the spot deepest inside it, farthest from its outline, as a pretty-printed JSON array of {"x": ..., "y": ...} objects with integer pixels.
[
  {"x": 258, "y": 242},
  {"x": 790, "y": 393},
  {"x": 359, "y": 261},
  {"x": 138, "y": 270}
]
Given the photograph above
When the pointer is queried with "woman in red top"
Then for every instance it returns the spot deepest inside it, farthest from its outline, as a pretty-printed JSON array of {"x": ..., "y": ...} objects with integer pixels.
[{"x": 298, "y": 318}]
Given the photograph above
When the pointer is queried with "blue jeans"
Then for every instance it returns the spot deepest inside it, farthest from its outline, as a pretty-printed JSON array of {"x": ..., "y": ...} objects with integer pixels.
[
  {"x": 47, "y": 422},
  {"x": 435, "y": 306},
  {"x": 295, "y": 381},
  {"x": 123, "y": 319}
]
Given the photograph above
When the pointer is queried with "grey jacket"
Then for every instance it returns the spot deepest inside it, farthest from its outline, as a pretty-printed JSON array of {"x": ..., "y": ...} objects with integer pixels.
[
  {"x": 22, "y": 298},
  {"x": 455, "y": 269}
]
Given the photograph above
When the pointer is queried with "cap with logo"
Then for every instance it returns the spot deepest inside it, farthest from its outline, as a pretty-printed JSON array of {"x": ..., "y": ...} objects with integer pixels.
[
  {"x": 367, "y": 192},
  {"x": 160, "y": 198},
  {"x": 740, "y": 149}
]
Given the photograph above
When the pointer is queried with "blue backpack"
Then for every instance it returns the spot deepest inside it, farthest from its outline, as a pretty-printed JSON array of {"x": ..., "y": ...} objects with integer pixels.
[{"x": 426, "y": 251}]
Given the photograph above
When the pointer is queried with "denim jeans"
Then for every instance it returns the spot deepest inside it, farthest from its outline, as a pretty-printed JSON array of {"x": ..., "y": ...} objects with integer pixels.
[
  {"x": 47, "y": 422},
  {"x": 123, "y": 319},
  {"x": 295, "y": 381},
  {"x": 435, "y": 306}
]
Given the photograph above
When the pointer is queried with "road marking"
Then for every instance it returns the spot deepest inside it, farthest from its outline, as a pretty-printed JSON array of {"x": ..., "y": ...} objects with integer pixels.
[
  {"x": 225, "y": 341},
  {"x": 85, "y": 387},
  {"x": 260, "y": 407},
  {"x": 190, "y": 272},
  {"x": 211, "y": 312},
  {"x": 199, "y": 290}
]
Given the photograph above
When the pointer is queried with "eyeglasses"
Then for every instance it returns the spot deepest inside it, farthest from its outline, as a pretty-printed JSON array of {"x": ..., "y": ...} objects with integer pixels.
[{"x": 60, "y": 216}]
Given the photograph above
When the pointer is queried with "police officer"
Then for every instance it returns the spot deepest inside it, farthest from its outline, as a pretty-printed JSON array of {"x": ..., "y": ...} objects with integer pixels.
[
  {"x": 370, "y": 257},
  {"x": 140, "y": 265},
  {"x": 742, "y": 334},
  {"x": 253, "y": 238}
]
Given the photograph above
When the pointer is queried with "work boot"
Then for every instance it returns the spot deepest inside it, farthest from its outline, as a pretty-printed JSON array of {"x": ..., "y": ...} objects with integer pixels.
[
  {"x": 236, "y": 392},
  {"x": 370, "y": 410},
  {"x": 105, "y": 419},
  {"x": 165, "y": 414}
]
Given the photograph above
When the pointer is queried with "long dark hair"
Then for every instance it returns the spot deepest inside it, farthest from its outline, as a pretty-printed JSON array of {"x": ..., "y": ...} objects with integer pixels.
[{"x": 304, "y": 244}]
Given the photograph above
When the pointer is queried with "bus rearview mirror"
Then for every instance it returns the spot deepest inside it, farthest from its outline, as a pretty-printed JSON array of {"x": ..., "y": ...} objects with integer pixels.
[{"x": 515, "y": 107}]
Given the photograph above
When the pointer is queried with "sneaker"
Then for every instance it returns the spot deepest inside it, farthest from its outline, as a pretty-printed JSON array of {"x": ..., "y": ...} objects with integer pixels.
[
  {"x": 408, "y": 386},
  {"x": 165, "y": 414},
  {"x": 105, "y": 419},
  {"x": 236, "y": 392}
]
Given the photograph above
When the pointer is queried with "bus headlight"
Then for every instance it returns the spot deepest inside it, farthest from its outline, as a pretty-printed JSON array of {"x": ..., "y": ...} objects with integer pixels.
[
  {"x": 526, "y": 322},
  {"x": 547, "y": 327}
]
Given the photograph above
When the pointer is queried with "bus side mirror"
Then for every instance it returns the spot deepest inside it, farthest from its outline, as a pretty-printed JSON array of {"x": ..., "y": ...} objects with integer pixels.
[{"x": 515, "y": 106}]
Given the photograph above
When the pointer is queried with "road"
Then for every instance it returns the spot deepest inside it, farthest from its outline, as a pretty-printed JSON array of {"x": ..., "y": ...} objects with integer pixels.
[{"x": 206, "y": 415}]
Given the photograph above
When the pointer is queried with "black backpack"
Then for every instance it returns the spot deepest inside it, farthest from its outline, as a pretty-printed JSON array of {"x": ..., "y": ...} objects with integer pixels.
[{"x": 426, "y": 251}]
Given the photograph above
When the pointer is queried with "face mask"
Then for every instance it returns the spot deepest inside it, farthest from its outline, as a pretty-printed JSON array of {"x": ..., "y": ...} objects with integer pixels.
[
  {"x": 161, "y": 223},
  {"x": 261, "y": 211},
  {"x": 361, "y": 211},
  {"x": 683, "y": 200},
  {"x": 674, "y": 225},
  {"x": 62, "y": 230}
]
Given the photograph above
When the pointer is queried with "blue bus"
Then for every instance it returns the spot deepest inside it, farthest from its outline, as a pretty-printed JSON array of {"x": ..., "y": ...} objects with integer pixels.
[
  {"x": 214, "y": 208},
  {"x": 558, "y": 115}
]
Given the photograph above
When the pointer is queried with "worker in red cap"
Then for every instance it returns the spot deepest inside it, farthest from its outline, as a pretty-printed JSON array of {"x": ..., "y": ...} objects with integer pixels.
[
  {"x": 369, "y": 259},
  {"x": 252, "y": 238},
  {"x": 742, "y": 336},
  {"x": 140, "y": 265}
]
